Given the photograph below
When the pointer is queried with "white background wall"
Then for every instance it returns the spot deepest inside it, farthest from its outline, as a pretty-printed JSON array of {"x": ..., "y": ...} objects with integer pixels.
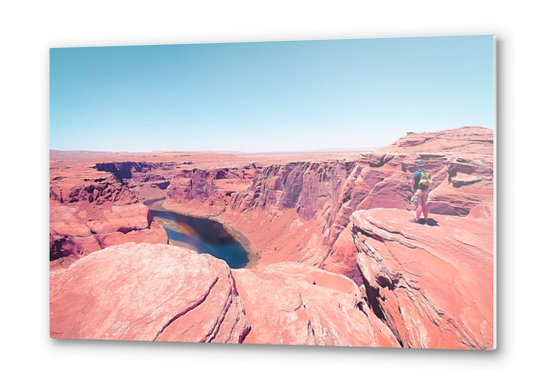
[{"x": 28, "y": 29}]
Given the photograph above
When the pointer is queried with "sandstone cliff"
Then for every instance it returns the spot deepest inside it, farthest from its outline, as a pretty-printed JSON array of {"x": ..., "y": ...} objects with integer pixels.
[
  {"x": 91, "y": 211},
  {"x": 147, "y": 292},
  {"x": 164, "y": 293},
  {"x": 362, "y": 274},
  {"x": 147, "y": 180},
  {"x": 297, "y": 211},
  {"x": 310, "y": 212},
  {"x": 432, "y": 285},
  {"x": 307, "y": 306}
]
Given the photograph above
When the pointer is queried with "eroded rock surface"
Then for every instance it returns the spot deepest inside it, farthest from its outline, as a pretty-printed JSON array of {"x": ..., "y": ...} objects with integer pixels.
[
  {"x": 291, "y": 303},
  {"x": 147, "y": 292},
  {"x": 477, "y": 140},
  {"x": 402, "y": 284},
  {"x": 297, "y": 211},
  {"x": 431, "y": 284},
  {"x": 147, "y": 180},
  {"x": 92, "y": 211}
]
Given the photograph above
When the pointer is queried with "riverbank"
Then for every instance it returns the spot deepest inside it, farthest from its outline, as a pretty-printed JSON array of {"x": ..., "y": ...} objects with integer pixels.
[{"x": 254, "y": 255}]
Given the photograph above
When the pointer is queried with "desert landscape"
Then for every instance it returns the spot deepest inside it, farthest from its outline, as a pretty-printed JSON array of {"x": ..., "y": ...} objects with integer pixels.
[{"x": 320, "y": 245}]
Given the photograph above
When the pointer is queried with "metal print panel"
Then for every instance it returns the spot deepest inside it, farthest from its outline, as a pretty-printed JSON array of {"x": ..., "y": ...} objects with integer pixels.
[{"x": 330, "y": 193}]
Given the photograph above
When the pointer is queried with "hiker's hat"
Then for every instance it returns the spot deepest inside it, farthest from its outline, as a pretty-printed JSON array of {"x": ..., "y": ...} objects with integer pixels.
[{"x": 421, "y": 163}]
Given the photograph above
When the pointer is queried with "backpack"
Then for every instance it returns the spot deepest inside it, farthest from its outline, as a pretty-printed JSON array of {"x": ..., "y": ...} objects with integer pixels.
[{"x": 425, "y": 179}]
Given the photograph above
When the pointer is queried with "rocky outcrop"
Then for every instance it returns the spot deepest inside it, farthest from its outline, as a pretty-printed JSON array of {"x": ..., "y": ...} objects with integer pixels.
[
  {"x": 147, "y": 292},
  {"x": 146, "y": 180},
  {"x": 297, "y": 211},
  {"x": 164, "y": 293},
  {"x": 475, "y": 140},
  {"x": 94, "y": 213},
  {"x": 431, "y": 284},
  {"x": 469, "y": 184},
  {"x": 210, "y": 191},
  {"x": 96, "y": 190},
  {"x": 342, "y": 258},
  {"x": 291, "y": 303},
  {"x": 299, "y": 198},
  {"x": 337, "y": 261}
]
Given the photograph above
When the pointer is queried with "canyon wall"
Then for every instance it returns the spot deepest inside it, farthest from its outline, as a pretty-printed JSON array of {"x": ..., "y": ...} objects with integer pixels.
[
  {"x": 147, "y": 180},
  {"x": 432, "y": 285},
  {"x": 298, "y": 211},
  {"x": 334, "y": 257},
  {"x": 91, "y": 210}
]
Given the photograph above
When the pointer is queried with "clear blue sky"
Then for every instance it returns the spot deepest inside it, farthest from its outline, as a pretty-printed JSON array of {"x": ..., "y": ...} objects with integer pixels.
[{"x": 269, "y": 96}]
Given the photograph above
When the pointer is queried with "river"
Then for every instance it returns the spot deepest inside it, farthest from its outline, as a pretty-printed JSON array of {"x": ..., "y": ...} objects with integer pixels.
[{"x": 203, "y": 236}]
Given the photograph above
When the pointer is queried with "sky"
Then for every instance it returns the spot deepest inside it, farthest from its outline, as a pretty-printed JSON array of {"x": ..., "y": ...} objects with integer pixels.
[{"x": 267, "y": 96}]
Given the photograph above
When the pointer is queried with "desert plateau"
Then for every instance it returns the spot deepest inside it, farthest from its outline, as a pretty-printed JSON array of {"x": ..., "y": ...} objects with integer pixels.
[{"x": 296, "y": 248}]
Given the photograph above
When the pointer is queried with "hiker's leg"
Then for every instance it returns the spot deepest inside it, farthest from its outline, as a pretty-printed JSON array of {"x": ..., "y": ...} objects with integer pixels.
[
  {"x": 425, "y": 207},
  {"x": 416, "y": 200},
  {"x": 419, "y": 210},
  {"x": 417, "y": 203}
]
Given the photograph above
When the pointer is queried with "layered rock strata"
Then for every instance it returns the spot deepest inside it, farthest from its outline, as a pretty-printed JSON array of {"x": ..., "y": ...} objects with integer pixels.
[
  {"x": 432, "y": 284},
  {"x": 291, "y": 303},
  {"x": 146, "y": 180},
  {"x": 94, "y": 213},
  {"x": 164, "y": 293},
  {"x": 297, "y": 211},
  {"x": 147, "y": 292},
  {"x": 363, "y": 275}
]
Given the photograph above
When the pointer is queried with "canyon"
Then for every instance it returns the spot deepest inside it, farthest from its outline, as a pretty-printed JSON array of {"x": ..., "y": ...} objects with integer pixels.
[{"x": 333, "y": 258}]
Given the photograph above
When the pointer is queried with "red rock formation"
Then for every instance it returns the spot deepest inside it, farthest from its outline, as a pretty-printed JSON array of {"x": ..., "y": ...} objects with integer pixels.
[
  {"x": 290, "y": 303},
  {"x": 299, "y": 198},
  {"x": 147, "y": 292},
  {"x": 342, "y": 258},
  {"x": 476, "y": 140},
  {"x": 420, "y": 286},
  {"x": 94, "y": 211},
  {"x": 146, "y": 180},
  {"x": 432, "y": 285},
  {"x": 164, "y": 293},
  {"x": 210, "y": 190},
  {"x": 469, "y": 183},
  {"x": 301, "y": 212},
  {"x": 297, "y": 211}
]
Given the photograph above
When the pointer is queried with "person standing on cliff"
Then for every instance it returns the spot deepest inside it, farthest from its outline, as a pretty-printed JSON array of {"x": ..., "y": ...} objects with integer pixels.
[{"x": 420, "y": 182}]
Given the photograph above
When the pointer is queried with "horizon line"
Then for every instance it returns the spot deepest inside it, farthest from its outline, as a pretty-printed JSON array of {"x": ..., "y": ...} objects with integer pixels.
[
  {"x": 323, "y": 150},
  {"x": 319, "y": 150}
]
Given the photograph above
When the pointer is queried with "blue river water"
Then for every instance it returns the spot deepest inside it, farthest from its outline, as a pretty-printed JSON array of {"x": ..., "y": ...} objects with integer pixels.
[{"x": 203, "y": 236}]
